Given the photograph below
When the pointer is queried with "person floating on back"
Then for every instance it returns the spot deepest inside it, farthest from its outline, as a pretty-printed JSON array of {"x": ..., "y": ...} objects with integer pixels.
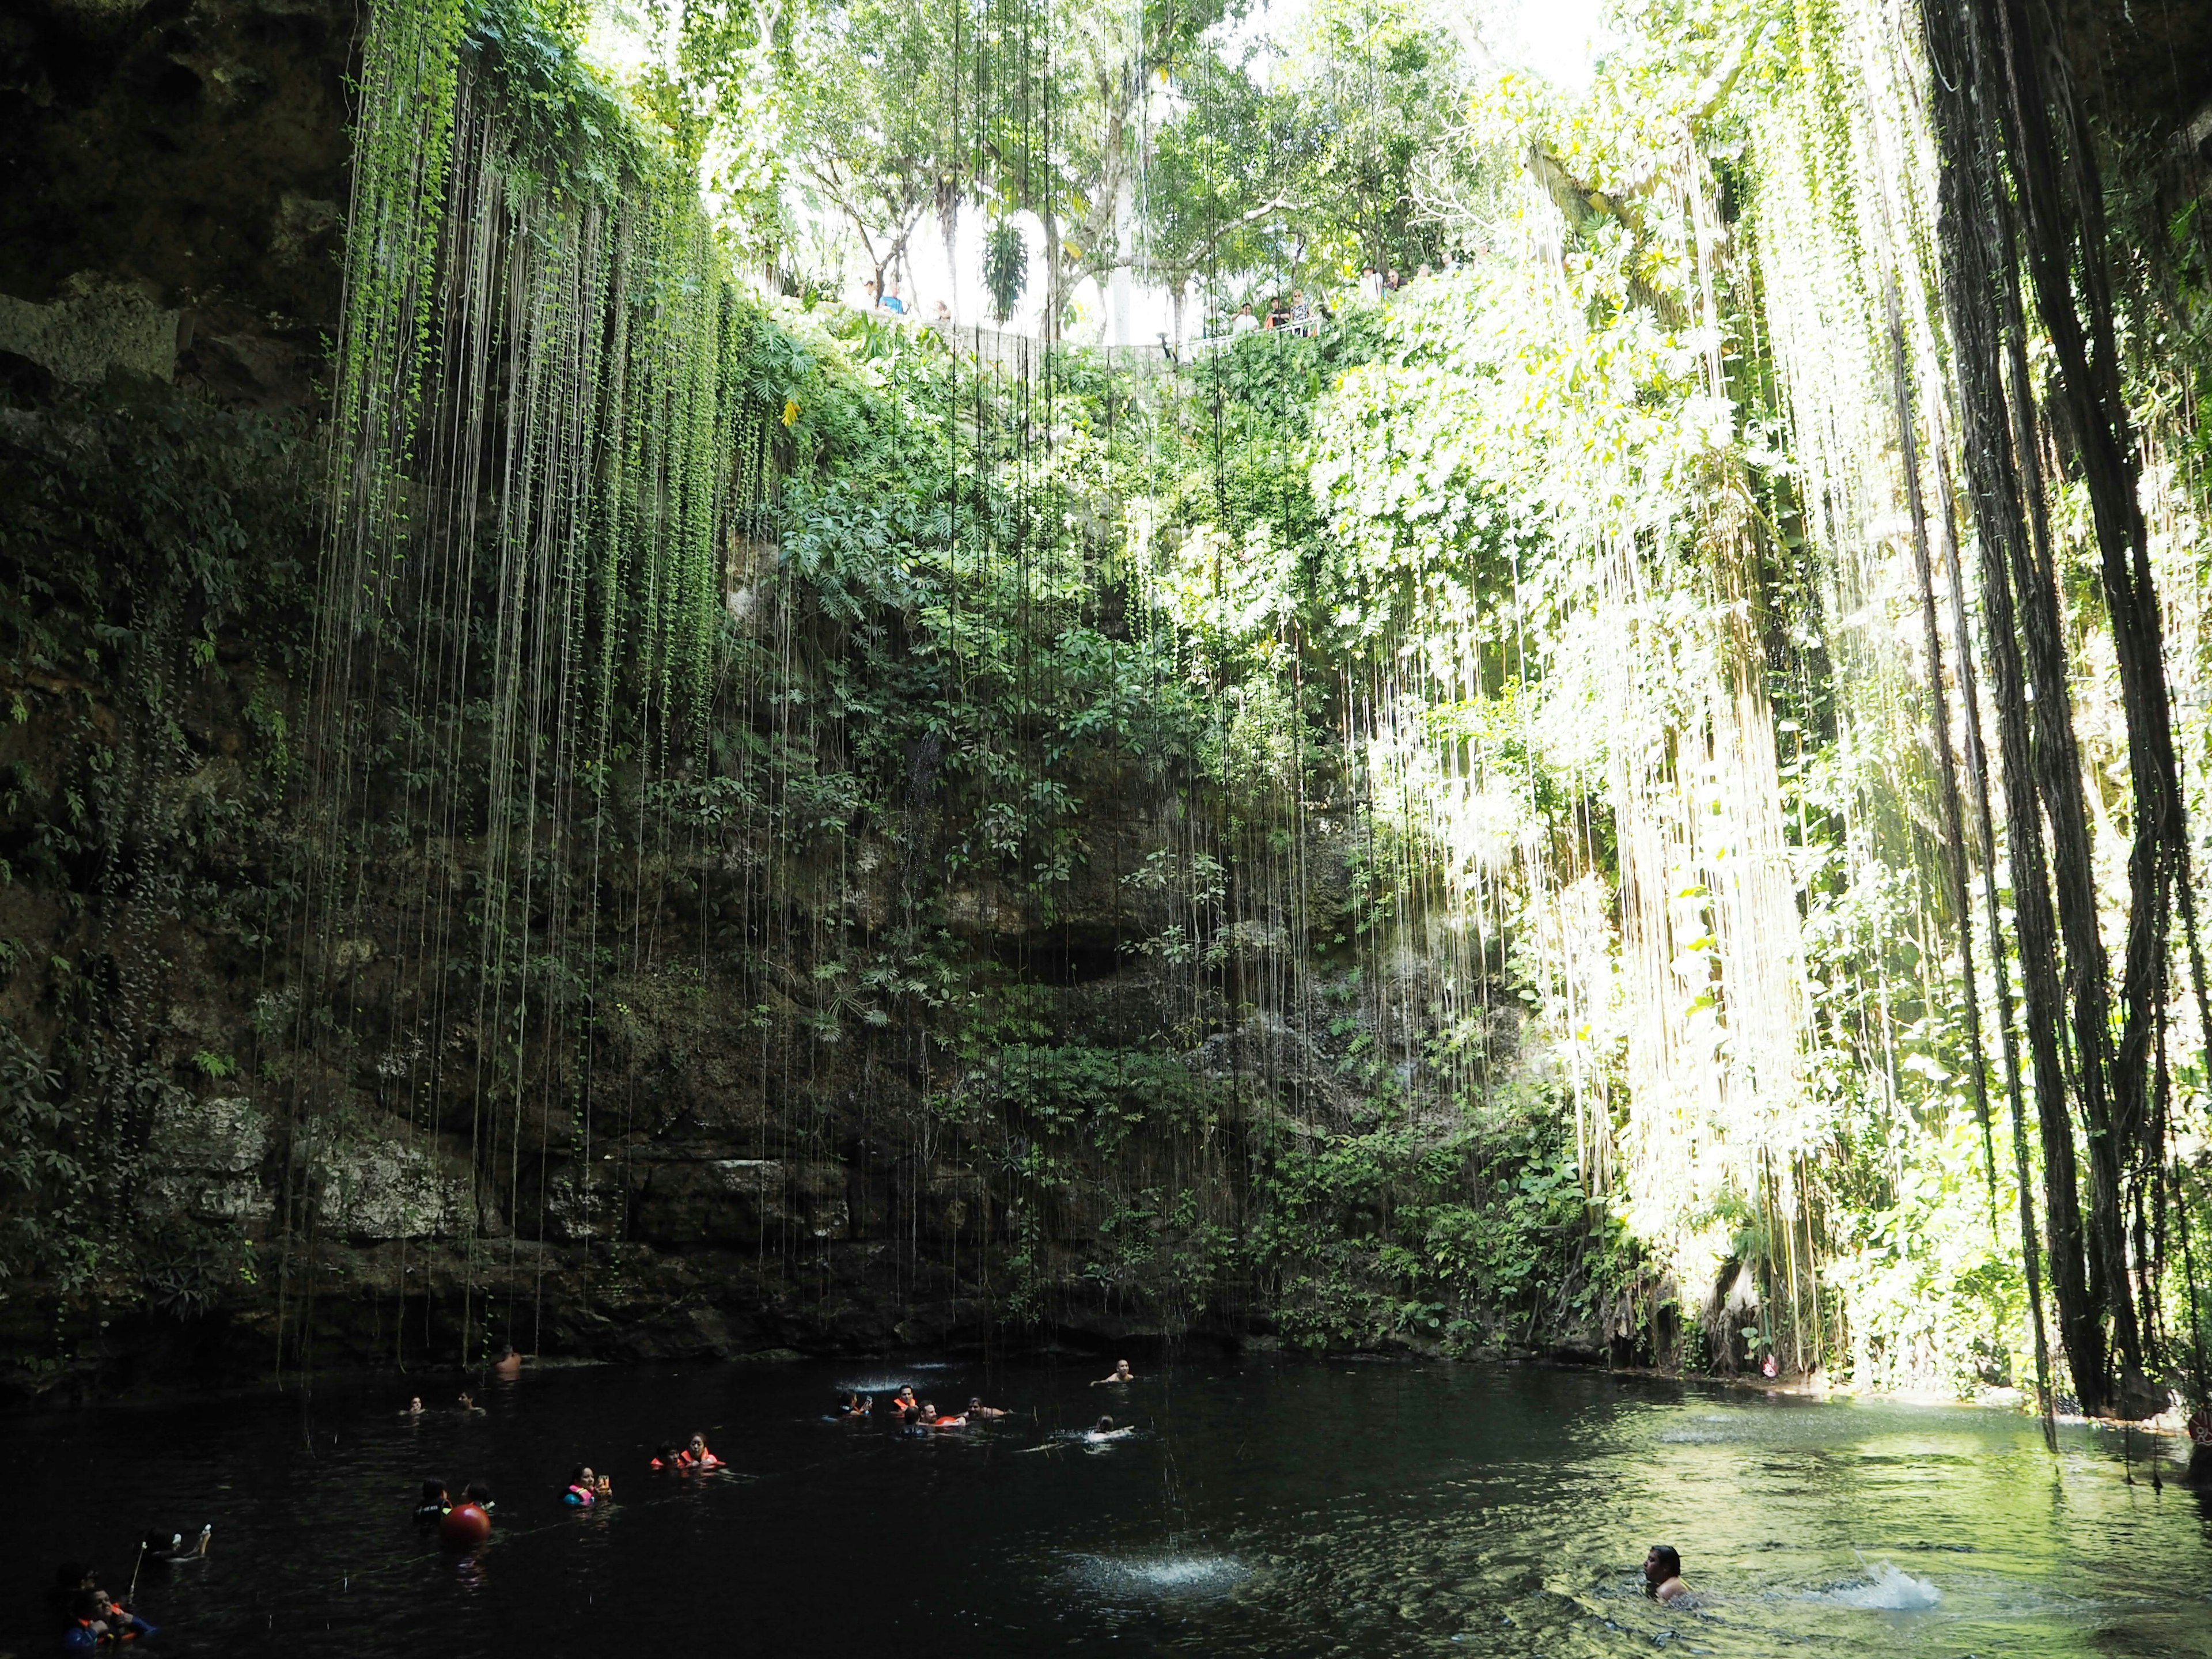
[
  {"x": 697, "y": 1456},
  {"x": 1663, "y": 1573},
  {"x": 1121, "y": 1373},
  {"x": 436, "y": 1500},
  {"x": 981, "y": 1412},
  {"x": 173, "y": 1548},
  {"x": 97, "y": 1621}
]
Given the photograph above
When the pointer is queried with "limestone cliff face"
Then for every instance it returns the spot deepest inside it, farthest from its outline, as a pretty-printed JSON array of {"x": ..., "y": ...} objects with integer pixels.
[
  {"x": 173, "y": 191},
  {"x": 745, "y": 1169}
]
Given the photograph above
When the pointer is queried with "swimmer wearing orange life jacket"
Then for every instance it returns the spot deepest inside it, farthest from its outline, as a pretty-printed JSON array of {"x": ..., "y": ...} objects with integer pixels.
[
  {"x": 697, "y": 1456},
  {"x": 96, "y": 1622},
  {"x": 904, "y": 1401},
  {"x": 930, "y": 1419}
]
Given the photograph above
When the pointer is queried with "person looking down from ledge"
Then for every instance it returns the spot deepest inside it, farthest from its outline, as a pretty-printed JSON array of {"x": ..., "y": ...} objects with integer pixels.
[
  {"x": 1663, "y": 1573},
  {"x": 1121, "y": 1373}
]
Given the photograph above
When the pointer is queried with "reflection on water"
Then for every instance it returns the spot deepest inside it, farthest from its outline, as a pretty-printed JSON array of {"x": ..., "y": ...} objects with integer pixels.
[{"x": 1266, "y": 1509}]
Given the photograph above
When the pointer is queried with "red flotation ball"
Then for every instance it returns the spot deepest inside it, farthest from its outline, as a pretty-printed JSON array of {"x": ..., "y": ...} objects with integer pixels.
[{"x": 465, "y": 1527}]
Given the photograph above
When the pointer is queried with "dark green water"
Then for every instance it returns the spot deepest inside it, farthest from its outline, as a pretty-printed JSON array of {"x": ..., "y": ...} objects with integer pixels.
[{"x": 1262, "y": 1509}]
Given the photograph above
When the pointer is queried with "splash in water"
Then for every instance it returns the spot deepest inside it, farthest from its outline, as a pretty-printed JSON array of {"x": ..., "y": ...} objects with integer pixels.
[
  {"x": 1887, "y": 1588},
  {"x": 1158, "y": 1575}
]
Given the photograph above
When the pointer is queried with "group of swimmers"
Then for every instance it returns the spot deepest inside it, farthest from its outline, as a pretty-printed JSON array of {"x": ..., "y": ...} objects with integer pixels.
[
  {"x": 469, "y": 1522},
  {"x": 903, "y": 1408}
]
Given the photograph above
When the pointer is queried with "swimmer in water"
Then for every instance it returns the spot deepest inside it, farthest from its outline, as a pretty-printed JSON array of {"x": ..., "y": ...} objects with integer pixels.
[
  {"x": 981, "y": 1412},
  {"x": 508, "y": 1366},
  {"x": 97, "y": 1622},
  {"x": 1121, "y": 1373},
  {"x": 414, "y": 1406},
  {"x": 479, "y": 1494},
  {"x": 664, "y": 1457},
  {"x": 470, "y": 1406},
  {"x": 583, "y": 1487},
  {"x": 1662, "y": 1574},
  {"x": 855, "y": 1405},
  {"x": 931, "y": 1419},
  {"x": 172, "y": 1549},
  {"x": 436, "y": 1500},
  {"x": 697, "y": 1456},
  {"x": 903, "y": 1402}
]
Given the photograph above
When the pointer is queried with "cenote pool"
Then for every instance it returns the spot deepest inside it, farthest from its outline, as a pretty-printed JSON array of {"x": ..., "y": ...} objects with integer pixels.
[{"x": 1263, "y": 1507}]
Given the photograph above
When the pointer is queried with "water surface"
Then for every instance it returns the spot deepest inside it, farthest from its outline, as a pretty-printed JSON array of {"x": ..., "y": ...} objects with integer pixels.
[{"x": 1275, "y": 1507}]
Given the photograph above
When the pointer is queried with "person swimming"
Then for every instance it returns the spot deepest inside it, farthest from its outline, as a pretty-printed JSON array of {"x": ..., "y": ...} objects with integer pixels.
[
  {"x": 930, "y": 1418},
  {"x": 664, "y": 1456},
  {"x": 436, "y": 1500},
  {"x": 1663, "y": 1573},
  {"x": 471, "y": 1407},
  {"x": 1121, "y": 1373},
  {"x": 171, "y": 1547},
  {"x": 855, "y": 1405},
  {"x": 71, "y": 1580},
  {"x": 507, "y": 1366},
  {"x": 479, "y": 1494},
  {"x": 981, "y": 1412},
  {"x": 414, "y": 1406},
  {"x": 904, "y": 1401},
  {"x": 96, "y": 1621},
  {"x": 583, "y": 1487},
  {"x": 697, "y": 1456}
]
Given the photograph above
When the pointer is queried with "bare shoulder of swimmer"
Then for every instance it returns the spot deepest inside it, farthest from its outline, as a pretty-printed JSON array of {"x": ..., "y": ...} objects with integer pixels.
[{"x": 1673, "y": 1589}]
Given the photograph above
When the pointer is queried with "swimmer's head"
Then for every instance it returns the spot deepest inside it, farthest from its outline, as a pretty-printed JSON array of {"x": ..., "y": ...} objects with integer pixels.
[
  {"x": 476, "y": 1492},
  {"x": 1664, "y": 1562},
  {"x": 698, "y": 1444},
  {"x": 1105, "y": 1426},
  {"x": 580, "y": 1475},
  {"x": 91, "y": 1605},
  {"x": 666, "y": 1454},
  {"x": 435, "y": 1491},
  {"x": 974, "y": 1402}
]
